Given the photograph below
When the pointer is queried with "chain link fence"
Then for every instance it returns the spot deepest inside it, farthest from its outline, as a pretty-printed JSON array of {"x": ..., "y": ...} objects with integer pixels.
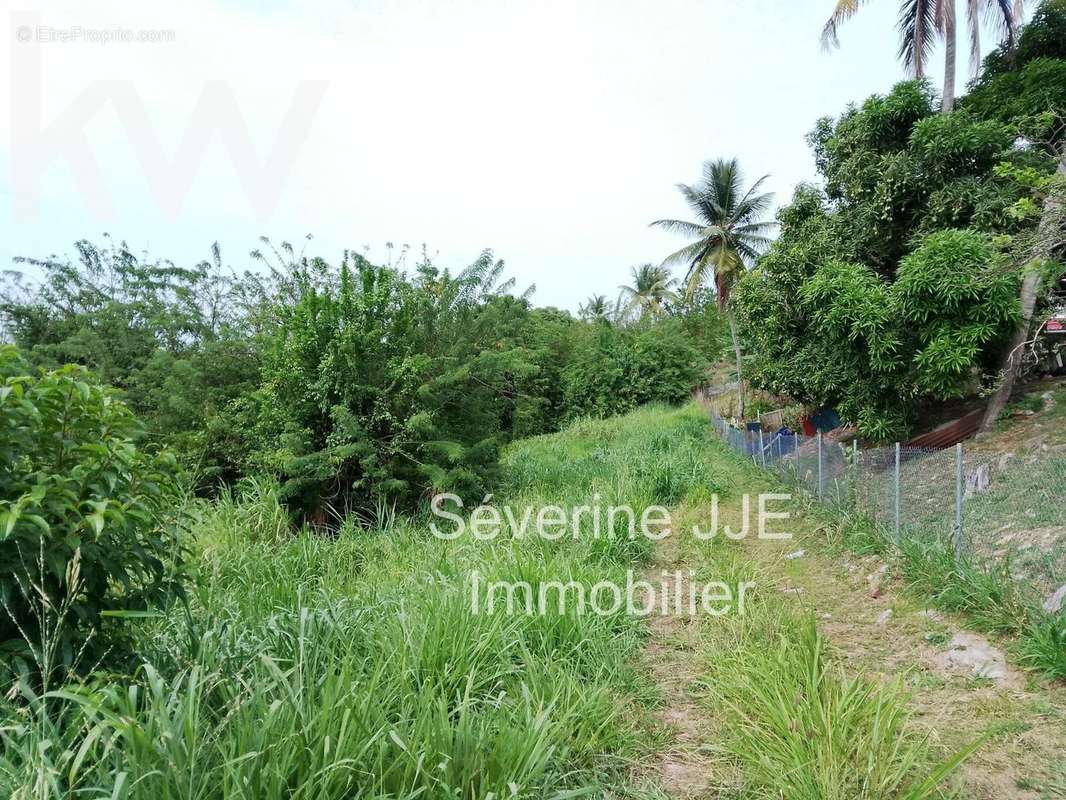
[{"x": 1001, "y": 508}]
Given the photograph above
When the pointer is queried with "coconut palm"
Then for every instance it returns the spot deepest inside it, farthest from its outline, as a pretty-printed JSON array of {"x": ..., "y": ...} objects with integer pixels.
[
  {"x": 730, "y": 233},
  {"x": 651, "y": 290},
  {"x": 596, "y": 307},
  {"x": 921, "y": 21}
]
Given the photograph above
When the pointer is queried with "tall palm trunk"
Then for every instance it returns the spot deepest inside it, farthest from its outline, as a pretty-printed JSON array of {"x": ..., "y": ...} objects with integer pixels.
[
  {"x": 736, "y": 350},
  {"x": 948, "y": 102},
  {"x": 1047, "y": 240}
]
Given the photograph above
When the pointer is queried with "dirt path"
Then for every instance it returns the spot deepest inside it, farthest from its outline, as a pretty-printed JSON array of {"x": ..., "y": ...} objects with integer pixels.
[
  {"x": 875, "y": 629},
  {"x": 672, "y": 659}
]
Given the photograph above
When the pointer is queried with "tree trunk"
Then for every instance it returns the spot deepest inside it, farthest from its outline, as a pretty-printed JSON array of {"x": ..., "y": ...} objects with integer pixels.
[
  {"x": 1045, "y": 248},
  {"x": 736, "y": 349},
  {"x": 948, "y": 100}
]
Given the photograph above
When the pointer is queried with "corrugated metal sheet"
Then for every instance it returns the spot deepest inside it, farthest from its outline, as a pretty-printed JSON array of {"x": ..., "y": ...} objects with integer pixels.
[{"x": 950, "y": 433}]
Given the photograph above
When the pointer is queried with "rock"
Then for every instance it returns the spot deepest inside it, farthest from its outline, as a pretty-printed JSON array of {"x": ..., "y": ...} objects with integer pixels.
[
  {"x": 876, "y": 580},
  {"x": 791, "y": 590},
  {"x": 1053, "y": 605},
  {"x": 884, "y": 616},
  {"x": 1049, "y": 401},
  {"x": 931, "y": 614},
  {"x": 797, "y": 554},
  {"x": 972, "y": 654}
]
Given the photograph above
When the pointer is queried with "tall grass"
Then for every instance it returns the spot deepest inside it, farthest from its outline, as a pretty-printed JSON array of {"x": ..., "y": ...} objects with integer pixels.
[
  {"x": 796, "y": 721},
  {"x": 307, "y": 667},
  {"x": 354, "y": 666},
  {"x": 801, "y": 728}
]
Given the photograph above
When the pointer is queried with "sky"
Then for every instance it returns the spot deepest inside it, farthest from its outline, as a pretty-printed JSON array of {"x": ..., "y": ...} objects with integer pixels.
[{"x": 551, "y": 132}]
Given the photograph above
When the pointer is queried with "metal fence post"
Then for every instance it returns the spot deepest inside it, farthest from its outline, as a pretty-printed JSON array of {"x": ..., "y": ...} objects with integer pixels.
[
  {"x": 819, "y": 437},
  {"x": 855, "y": 473},
  {"x": 762, "y": 451},
  {"x": 958, "y": 502},
  {"x": 897, "y": 497}
]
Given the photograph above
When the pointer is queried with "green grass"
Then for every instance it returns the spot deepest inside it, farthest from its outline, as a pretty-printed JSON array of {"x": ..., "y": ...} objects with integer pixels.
[
  {"x": 800, "y": 722},
  {"x": 310, "y": 667},
  {"x": 307, "y": 667},
  {"x": 985, "y": 593},
  {"x": 802, "y": 728}
]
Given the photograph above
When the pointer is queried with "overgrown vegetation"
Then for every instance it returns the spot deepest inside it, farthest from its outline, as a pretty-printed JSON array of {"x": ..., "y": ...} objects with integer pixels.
[
  {"x": 216, "y": 575},
  {"x": 987, "y": 594},
  {"x": 804, "y": 729},
  {"x": 897, "y": 283},
  {"x": 356, "y": 666},
  {"x": 358, "y": 386}
]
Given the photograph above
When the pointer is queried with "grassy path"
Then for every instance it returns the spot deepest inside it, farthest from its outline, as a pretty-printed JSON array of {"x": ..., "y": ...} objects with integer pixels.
[
  {"x": 370, "y": 664},
  {"x": 896, "y": 634},
  {"x": 683, "y": 768},
  {"x": 878, "y": 646}
]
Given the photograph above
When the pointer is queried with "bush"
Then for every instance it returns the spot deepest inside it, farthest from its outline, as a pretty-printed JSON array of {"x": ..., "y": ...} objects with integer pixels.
[
  {"x": 84, "y": 536},
  {"x": 616, "y": 369}
]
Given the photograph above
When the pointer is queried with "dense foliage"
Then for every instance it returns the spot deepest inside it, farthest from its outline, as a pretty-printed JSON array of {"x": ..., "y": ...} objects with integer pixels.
[
  {"x": 1028, "y": 86},
  {"x": 896, "y": 283},
  {"x": 85, "y": 530},
  {"x": 615, "y": 369},
  {"x": 361, "y": 387}
]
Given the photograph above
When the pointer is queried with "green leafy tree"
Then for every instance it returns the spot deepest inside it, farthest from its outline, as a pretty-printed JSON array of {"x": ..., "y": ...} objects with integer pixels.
[
  {"x": 832, "y": 331},
  {"x": 180, "y": 342},
  {"x": 379, "y": 388},
  {"x": 1026, "y": 89},
  {"x": 896, "y": 285},
  {"x": 86, "y": 528}
]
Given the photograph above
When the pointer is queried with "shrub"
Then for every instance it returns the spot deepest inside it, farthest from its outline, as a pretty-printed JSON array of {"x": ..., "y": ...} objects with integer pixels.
[
  {"x": 616, "y": 369},
  {"x": 84, "y": 535}
]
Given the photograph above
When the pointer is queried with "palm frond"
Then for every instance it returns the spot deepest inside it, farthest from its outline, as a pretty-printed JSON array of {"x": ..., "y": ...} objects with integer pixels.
[
  {"x": 918, "y": 26},
  {"x": 697, "y": 200},
  {"x": 845, "y": 10},
  {"x": 750, "y": 194},
  {"x": 722, "y": 180},
  {"x": 755, "y": 228},
  {"x": 1003, "y": 17},
  {"x": 687, "y": 254},
  {"x": 753, "y": 207},
  {"x": 973, "y": 21},
  {"x": 679, "y": 226}
]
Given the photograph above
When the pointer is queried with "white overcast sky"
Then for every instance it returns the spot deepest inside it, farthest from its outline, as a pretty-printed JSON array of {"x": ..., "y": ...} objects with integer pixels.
[{"x": 551, "y": 132}]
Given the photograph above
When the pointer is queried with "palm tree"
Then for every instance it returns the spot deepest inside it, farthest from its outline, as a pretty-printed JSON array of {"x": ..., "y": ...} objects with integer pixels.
[
  {"x": 597, "y": 307},
  {"x": 921, "y": 21},
  {"x": 730, "y": 233},
  {"x": 651, "y": 290}
]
